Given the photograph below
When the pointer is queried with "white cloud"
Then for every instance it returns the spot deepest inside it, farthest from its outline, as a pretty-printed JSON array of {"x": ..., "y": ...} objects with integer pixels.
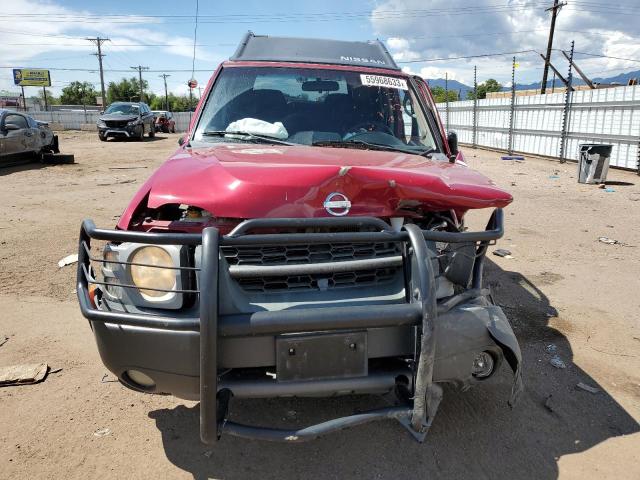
[
  {"x": 511, "y": 26},
  {"x": 65, "y": 38}
]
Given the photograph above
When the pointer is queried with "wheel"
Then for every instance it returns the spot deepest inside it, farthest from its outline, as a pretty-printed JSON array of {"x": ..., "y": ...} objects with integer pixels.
[
  {"x": 103, "y": 138},
  {"x": 152, "y": 131},
  {"x": 165, "y": 128},
  {"x": 141, "y": 135},
  {"x": 173, "y": 129}
]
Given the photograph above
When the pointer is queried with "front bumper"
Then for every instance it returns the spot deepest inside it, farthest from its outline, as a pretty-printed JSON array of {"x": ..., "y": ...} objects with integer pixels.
[
  {"x": 128, "y": 131},
  {"x": 432, "y": 342}
]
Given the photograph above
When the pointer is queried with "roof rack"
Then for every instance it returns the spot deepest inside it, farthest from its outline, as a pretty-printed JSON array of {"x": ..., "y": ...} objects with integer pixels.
[{"x": 312, "y": 50}]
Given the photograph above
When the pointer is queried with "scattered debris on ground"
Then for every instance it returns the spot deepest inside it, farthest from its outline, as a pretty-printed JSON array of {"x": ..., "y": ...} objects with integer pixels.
[
  {"x": 587, "y": 388},
  {"x": 557, "y": 362},
  {"x": 548, "y": 403},
  {"x": 518, "y": 158},
  {"x": 25, "y": 374},
  {"x": 3, "y": 339},
  {"x": 611, "y": 241},
  {"x": 68, "y": 260},
  {"x": 103, "y": 432},
  {"x": 501, "y": 252},
  {"x": 550, "y": 348}
]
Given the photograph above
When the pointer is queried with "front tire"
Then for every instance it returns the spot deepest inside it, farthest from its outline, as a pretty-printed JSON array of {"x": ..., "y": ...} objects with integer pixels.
[
  {"x": 140, "y": 137},
  {"x": 152, "y": 131}
]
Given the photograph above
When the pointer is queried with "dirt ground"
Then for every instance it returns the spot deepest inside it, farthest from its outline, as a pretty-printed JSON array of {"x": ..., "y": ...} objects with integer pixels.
[{"x": 562, "y": 286}]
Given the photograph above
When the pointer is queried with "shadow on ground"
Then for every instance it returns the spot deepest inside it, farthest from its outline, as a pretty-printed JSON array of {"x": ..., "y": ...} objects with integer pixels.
[
  {"x": 19, "y": 164},
  {"x": 475, "y": 434}
]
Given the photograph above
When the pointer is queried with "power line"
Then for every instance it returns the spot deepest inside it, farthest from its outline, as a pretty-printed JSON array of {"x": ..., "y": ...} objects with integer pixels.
[{"x": 465, "y": 57}]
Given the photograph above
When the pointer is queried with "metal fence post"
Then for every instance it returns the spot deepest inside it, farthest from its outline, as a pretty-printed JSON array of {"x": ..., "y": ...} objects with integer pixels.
[
  {"x": 513, "y": 105},
  {"x": 566, "y": 110},
  {"x": 475, "y": 106},
  {"x": 446, "y": 96}
]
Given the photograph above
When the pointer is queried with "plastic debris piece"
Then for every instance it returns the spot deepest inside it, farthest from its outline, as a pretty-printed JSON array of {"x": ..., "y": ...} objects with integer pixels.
[
  {"x": 3, "y": 339},
  {"x": 501, "y": 252},
  {"x": 68, "y": 260},
  {"x": 550, "y": 348},
  {"x": 208, "y": 453},
  {"x": 548, "y": 403},
  {"x": 587, "y": 388},
  {"x": 557, "y": 362},
  {"x": 25, "y": 374},
  {"x": 513, "y": 157},
  {"x": 609, "y": 190},
  {"x": 610, "y": 241},
  {"x": 553, "y": 177},
  {"x": 103, "y": 432}
]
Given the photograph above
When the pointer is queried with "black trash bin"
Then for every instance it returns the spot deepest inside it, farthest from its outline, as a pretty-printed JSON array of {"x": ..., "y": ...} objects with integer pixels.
[{"x": 593, "y": 165}]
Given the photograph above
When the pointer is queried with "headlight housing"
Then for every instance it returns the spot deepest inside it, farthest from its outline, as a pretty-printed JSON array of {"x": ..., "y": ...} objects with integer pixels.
[
  {"x": 137, "y": 121},
  {"x": 152, "y": 272}
]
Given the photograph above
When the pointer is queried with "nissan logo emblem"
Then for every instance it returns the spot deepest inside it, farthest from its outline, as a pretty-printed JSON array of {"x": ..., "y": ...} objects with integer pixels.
[{"x": 337, "y": 204}]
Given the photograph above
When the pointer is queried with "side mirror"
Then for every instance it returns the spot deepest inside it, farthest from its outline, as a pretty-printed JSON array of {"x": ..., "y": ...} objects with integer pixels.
[
  {"x": 181, "y": 141},
  {"x": 101, "y": 112},
  {"x": 452, "y": 140},
  {"x": 11, "y": 126}
]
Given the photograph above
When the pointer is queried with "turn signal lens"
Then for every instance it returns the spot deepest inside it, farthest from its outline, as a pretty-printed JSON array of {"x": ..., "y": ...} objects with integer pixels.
[{"x": 146, "y": 277}]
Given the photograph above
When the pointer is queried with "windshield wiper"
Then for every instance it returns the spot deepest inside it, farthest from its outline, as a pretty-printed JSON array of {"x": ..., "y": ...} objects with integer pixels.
[
  {"x": 368, "y": 146},
  {"x": 249, "y": 135}
]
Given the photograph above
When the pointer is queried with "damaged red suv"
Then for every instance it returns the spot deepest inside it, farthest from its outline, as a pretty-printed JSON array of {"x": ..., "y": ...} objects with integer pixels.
[{"x": 306, "y": 239}]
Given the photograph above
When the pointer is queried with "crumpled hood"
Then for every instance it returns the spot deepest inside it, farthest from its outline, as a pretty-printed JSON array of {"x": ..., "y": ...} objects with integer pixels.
[
  {"x": 259, "y": 181},
  {"x": 118, "y": 116}
]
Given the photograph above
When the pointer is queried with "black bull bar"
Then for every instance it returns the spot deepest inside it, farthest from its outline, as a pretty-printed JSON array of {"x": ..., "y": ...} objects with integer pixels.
[{"x": 420, "y": 310}]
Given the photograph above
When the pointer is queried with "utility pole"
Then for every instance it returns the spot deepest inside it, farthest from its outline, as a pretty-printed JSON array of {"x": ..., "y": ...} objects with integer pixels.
[
  {"x": 554, "y": 13},
  {"x": 98, "y": 41},
  {"x": 446, "y": 96},
  {"x": 475, "y": 105},
  {"x": 166, "y": 95},
  {"x": 567, "y": 109},
  {"x": 140, "y": 68},
  {"x": 512, "y": 111}
]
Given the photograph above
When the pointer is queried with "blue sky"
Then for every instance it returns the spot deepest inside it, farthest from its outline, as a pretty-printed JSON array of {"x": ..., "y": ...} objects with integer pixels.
[{"x": 413, "y": 30}]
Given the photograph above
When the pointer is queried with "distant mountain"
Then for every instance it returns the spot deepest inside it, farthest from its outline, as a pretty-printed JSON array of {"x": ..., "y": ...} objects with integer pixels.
[
  {"x": 622, "y": 79},
  {"x": 453, "y": 85}
]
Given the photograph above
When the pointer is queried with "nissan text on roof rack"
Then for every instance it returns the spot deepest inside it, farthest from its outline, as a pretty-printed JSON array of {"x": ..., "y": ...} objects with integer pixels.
[{"x": 306, "y": 239}]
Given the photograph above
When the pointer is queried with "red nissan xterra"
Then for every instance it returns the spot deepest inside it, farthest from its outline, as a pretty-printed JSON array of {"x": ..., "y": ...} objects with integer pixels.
[{"x": 306, "y": 239}]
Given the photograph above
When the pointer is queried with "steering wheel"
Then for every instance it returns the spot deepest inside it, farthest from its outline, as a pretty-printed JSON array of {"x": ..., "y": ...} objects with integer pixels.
[{"x": 371, "y": 126}]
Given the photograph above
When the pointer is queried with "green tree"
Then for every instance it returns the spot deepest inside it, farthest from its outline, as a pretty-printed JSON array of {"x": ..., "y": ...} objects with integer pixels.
[
  {"x": 126, "y": 90},
  {"x": 440, "y": 94},
  {"x": 490, "y": 85},
  {"x": 78, "y": 93},
  {"x": 51, "y": 98},
  {"x": 177, "y": 103}
]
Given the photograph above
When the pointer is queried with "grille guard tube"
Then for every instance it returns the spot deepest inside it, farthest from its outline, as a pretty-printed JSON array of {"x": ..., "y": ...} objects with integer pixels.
[{"x": 416, "y": 418}]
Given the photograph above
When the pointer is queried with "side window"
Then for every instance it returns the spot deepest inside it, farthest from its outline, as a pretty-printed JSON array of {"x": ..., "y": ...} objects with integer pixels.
[{"x": 18, "y": 120}]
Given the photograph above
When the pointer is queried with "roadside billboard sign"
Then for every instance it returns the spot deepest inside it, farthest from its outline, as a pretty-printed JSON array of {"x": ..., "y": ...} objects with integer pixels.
[{"x": 29, "y": 77}]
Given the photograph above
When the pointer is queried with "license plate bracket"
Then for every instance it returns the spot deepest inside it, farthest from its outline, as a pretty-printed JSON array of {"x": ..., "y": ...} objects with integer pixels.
[{"x": 321, "y": 356}]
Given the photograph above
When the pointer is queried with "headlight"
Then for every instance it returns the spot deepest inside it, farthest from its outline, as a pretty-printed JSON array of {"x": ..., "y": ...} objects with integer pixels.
[
  {"x": 145, "y": 277},
  {"x": 101, "y": 123},
  {"x": 135, "y": 122}
]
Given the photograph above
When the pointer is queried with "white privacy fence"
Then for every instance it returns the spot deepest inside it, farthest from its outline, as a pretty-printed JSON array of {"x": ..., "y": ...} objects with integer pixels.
[
  {"x": 73, "y": 120},
  {"x": 608, "y": 115}
]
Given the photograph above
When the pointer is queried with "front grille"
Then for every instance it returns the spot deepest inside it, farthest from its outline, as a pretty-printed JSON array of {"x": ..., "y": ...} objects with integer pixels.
[
  {"x": 116, "y": 123},
  {"x": 313, "y": 254}
]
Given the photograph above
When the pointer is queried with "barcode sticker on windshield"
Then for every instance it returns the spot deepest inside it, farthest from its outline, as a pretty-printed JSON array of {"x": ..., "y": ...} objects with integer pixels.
[{"x": 381, "y": 81}]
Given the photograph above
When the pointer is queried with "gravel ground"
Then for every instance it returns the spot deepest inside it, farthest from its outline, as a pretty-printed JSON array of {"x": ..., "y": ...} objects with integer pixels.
[{"x": 562, "y": 286}]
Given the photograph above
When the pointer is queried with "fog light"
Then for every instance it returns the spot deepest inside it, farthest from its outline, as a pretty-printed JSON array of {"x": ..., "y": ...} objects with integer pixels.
[
  {"x": 141, "y": 379},
  {"x": 482, "y": 365}
]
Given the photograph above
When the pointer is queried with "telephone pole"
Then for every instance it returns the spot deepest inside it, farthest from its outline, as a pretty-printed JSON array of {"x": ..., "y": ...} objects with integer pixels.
[
  {"x": 166, "y": 95},
  {"x": 140, "y": 68},
  {"x": 554, "y": 13},
  {"x": 98, "y": 41}
]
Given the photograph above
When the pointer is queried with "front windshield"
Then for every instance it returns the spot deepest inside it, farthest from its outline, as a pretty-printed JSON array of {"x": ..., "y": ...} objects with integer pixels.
[
  {"x": 123, "y": 109},
  {"x": 314, "y": 106}
]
